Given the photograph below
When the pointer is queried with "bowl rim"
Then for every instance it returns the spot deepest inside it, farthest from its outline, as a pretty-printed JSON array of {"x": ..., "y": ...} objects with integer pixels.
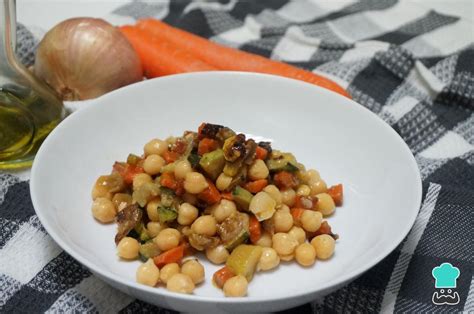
[{"x": 122, "y": 282}]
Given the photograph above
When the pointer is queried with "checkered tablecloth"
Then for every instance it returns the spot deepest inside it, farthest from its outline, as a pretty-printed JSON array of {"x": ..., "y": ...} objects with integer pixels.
[{"x": 412, "y": 66}]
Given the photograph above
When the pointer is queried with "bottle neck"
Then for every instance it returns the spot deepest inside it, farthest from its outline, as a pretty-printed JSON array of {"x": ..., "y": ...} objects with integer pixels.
[{"x": 7, "y": 41}]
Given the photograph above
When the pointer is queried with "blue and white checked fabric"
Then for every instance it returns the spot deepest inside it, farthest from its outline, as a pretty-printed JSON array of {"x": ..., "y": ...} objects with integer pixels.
[{"x": 412, "y": 66}]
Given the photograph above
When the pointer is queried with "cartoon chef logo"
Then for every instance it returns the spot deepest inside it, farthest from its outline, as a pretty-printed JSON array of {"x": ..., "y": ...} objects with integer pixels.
[{"x": 445, "y": 276}]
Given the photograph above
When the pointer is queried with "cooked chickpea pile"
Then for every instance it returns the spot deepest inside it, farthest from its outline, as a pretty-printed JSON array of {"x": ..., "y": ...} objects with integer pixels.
[{"x": 244, "y": 205}]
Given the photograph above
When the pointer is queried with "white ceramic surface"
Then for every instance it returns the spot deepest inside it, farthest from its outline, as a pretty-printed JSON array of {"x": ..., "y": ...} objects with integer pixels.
[{"x": 343, "y": 140}]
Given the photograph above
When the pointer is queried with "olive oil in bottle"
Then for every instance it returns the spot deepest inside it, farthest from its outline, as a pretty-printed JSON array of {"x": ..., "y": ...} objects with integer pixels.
[{"x": 29, "y": 109}]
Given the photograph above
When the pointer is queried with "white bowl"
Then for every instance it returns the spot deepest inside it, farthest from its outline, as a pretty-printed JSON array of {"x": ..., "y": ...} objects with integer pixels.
[{"x": 343, "y": 140}]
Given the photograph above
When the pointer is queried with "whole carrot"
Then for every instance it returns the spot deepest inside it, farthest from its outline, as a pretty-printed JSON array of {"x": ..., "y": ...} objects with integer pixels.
[
  {"x": 162, "y": 58},
  {"x": 226, "y": 58}
]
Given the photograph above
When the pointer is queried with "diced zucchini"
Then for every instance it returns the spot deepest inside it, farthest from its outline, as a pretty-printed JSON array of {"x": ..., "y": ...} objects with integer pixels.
[
  {"x": 168, "y": 168},
  {"x": 242, "y": 197},
  {"x": 213, "y": 163},
  {"x": 282, "y": 162},
  {"x": 148, "y": 250},
  {"x": 168, "y": 197},
  {"x": 240, "y": 239},
  {"x": 166, "y": 214},
  {"x": 231, "y": 169},
  {"x": 244, "y": 259},
  {"x": 139, "y": 232},
  {"x": 194, "y": 159},
  {"x": 133, "y": 159}
]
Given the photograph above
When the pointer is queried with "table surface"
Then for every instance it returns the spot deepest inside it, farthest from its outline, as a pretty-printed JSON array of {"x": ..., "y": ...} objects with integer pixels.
[{"x": 410, "y": 62}]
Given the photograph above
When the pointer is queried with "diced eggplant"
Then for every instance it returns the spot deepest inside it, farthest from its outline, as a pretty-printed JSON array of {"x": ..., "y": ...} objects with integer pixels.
[
  {"x": 234, "y": 147},
  {"x": 127, "y": 219}
]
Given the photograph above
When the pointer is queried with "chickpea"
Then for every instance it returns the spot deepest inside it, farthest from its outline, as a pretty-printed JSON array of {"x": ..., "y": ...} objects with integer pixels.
[
  {"x": 102, "y": 188},
  {"x": 311, "y": 220},
  {"x": 312, "y": 176},
  {"x": 190, "y": 198},
  {"x": 284, "y": 208},
  {"x": 180, "y": 283},
  {"x": 287, "y": 258},
  {"x": 223, "y": 181},
  {"x": 167, "y": 239},
  {"x": 258, "y": 170},
  {"x": 205, "y": 225},
  {"x": 265, "y": 240},
  {"x": 168, "y": 271},
  {"x": 152, "y": 209},
  {"x": 140, "y": 179},
  {"x": 283, "y": 243},
  {"x": 128, "y": 248},
  {"x": 268, "y": 260},
  {"x": 317, "y": 187},
  {"x": 187, "y": 213},
  {"x": 288, "y": 197},
  {"x": 325, "y": 204},
  {"x": 154, "y": 228},
  {"x": 303, "y": 190},
  {"x": 223, "y": 210},
  {"x": 324, "y": 245},
  {"x": 155, "y": 147},
  {"x": 282, "y": 221},
  {"x": 148, "y": 274},
  {"x": 217, "y": 255},
  {"x": 103, "y": 210},
  {"x": 195, "y": 183},
  {"x": 121, "y": 200},
  {"x": 153, "y": 164},
  {"x": 274, "y": 192},
  {"x": 182, "y": 168},
  {"x": 236, "y": 287},
  {"x": 194, "y": 270},
  {"x": 298, "y": 233},
  {"x": 262, "y": 205},
  {"x": 305, "y": 254}
]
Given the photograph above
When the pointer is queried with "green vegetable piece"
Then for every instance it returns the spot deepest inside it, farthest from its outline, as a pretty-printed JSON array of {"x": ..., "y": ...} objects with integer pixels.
[
  {"x": 194, "y": 159},
  {"x": 282, "y": 162},
  {"x": 148, "y": 250},
  {"x": 244, "y": 259},
  {"x": 133, "y": 159},
  {"x": 213, "y": 163},
  {"x": 240, "y": 239},
  {"x": 242, "y": 197},
  {"x": 166, "y": 214},
  {"x": 140, "y": 233},
  {"x": 233, "y": 168},
  {"x": 168, "y": 197}
]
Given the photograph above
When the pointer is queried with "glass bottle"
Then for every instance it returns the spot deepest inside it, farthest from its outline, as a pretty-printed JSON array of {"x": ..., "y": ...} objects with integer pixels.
[{"x": 29, "y": 109}]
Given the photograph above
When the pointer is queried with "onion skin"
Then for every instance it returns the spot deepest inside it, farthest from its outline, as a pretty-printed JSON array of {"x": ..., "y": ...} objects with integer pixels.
[{"x": 83, "y": 58}]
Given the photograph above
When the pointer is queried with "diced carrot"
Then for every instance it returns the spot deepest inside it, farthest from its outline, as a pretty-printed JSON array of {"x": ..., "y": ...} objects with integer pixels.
[
  {"x": 160, "y": 57},
  {"x": 261, "y": 153},
  {"x": 336, "y": 192},
  {"x": 222, "y": 275},
  {"x": 285, "y": 180},
  {"x": 256, "y": 186},
  {"x": 211, "y": 194},
  {"x": 170, "y": 156},
  {"x": 207, "y": 145},
  {"x": 230, "y": 59},
  {"x": 174, "y": 255},
  {"x": 255, "y": 229},
  {"x": 127, "y": 171},
  {"x": 304, "y": 202},
  {"x": 168, "y": 180},
  {"x": 296, "y": 212},
  {"x": 227, "y": 196}
]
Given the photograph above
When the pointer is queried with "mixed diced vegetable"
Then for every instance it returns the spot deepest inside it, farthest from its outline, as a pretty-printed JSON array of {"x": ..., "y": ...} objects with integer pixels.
[{"x": 245, "y": 205}]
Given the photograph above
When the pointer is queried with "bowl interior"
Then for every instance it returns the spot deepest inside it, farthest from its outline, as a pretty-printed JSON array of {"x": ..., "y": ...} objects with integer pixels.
[{"x": 345, "y": 142}]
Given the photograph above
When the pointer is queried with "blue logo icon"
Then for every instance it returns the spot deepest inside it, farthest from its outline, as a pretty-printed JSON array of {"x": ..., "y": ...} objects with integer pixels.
[{"x": 445, "y": 276}]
